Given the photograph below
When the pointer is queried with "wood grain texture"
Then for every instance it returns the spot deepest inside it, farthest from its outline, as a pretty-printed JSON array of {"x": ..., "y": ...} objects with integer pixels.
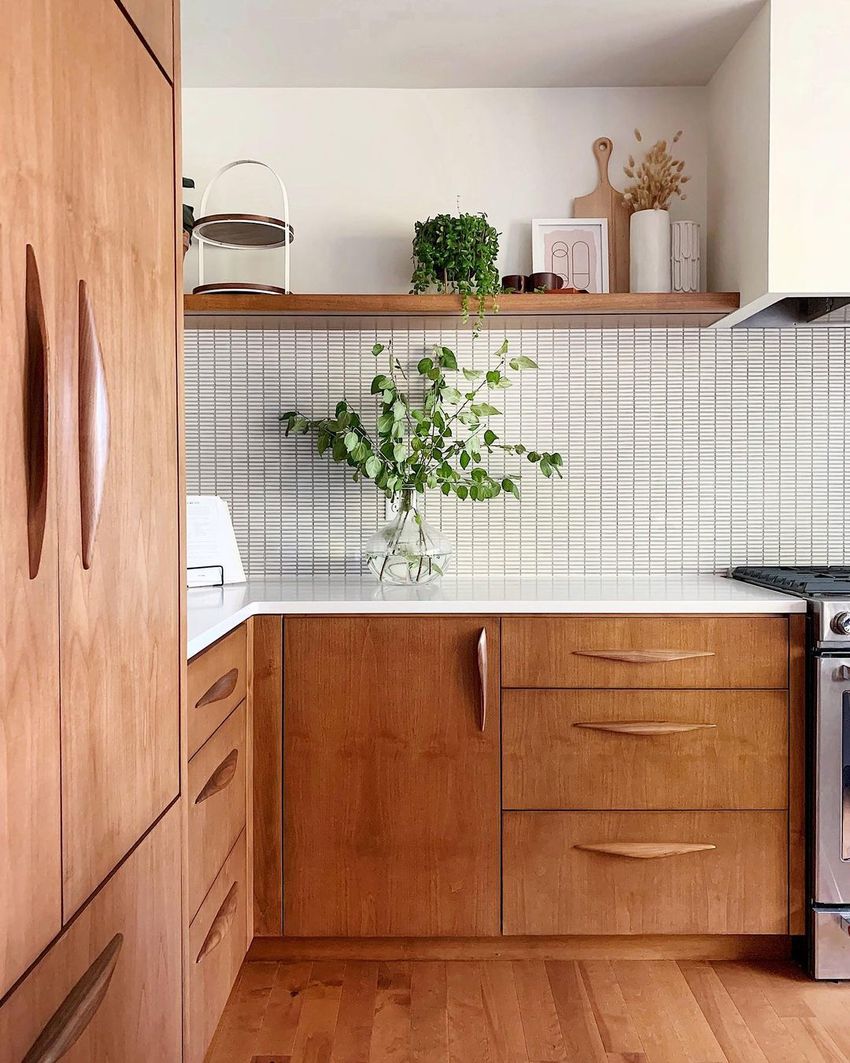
[
  {"x": 139, "y": 1014},
  {"x": 525, "y": 947},
  {"x": 30, "y": 843},
  {"x": 154, "y": 19},
  {"x": 630, "y": 1011},
  {"x": 216, "y": 806},
  {"x": 93, "y": 425},
  {"x": 391, "y": 790},
  {"x": 217, "y": 945},
  {"x": 267, "y": 711},
  {"x": 606, "y": 202},
  {"x": 36, "y": 412},
  {"x": 121, "y": 655},
  {"x": 797, "y": 775},
  {"x": 217, "y": 683},
  {"x": 553, "y": 886},
  {"x": 574, "y": 749},
  {"x": 746, "y": 651}
]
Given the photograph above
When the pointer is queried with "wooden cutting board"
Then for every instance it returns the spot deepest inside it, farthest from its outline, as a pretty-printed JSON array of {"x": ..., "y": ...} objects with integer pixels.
[{"x": 606, "y": 202}]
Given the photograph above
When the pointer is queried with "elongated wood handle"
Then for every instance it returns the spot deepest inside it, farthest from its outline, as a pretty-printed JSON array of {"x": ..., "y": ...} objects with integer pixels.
[
  {"x": 221, "y": 924},
  {"x": 602, "y": 148},
  {"x": 645, "y": 727},
  {"x": 220, "y": 778},
  {"x": 69, "y": 1021},
  {"x": 645, "y": 850},
  {"x": 222, "y": 688},
  {"x": 482, "y": 676},
  {"x": 94, "y": 426},
  {"x": 644, "y": 656},
  {"x": 36, "y": 412}
]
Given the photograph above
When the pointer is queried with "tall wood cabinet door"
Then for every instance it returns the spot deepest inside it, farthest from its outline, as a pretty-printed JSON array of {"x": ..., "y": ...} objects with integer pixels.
[
  {"x": 30, "y": 876},
  {"x": 119, "y": 559},
  {"x": 391, "y": 776},
  {"x": 154, "y": 19}
]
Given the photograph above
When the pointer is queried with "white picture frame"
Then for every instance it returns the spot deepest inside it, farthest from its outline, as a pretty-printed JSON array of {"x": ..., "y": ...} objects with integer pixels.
[{"x": 590, "y": 235}]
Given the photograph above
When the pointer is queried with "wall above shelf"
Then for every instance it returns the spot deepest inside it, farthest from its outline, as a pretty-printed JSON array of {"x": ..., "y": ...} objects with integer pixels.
[{"x": 634, "y": 310}]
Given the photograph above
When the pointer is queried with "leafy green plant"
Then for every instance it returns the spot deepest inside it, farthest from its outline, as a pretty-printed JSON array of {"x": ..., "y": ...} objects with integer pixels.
[
  {"x": 456, "y": 254},
  {"x": 441, "y": 442}
]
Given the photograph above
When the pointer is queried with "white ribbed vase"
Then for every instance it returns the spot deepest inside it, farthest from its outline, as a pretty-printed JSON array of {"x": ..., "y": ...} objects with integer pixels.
[
  {"x": 684, "y": 256},
  {"x": 649, "y": 251}
]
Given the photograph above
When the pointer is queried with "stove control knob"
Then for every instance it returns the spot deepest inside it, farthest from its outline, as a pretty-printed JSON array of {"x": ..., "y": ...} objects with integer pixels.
[{"x": 841, "y": 624}]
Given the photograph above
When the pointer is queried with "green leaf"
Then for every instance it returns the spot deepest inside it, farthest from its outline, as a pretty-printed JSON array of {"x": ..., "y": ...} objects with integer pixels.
[
  {"x": 378, "y": 348},
  {"x": 387, "y": 397},
  {"x": 522, "y": 362},
  {"x": 385, "y": 423},
  {"x": 424, "y": 366},
  {"x": 504, "y": 383},
  {"x": 545, "y": 467},
  {"x": 479, "y": 475},
  {"x": 373, "y": 466},
  {"x": 361, "y": 452},
  {"x": 381, "y": 383},
  {"x": 400, "y": 451},
  {"x": 465, "y": 459},
  {"x": 323, "y": 442},
  {"x": 533, "y": 456},
  {"x": 433, "y": 374},
  {"x": 484, "y": 409},
  {"x": 510, "y": 487},
  {"x": 493, "y": 377},
  {"x": 472, "y": 374},
  {"x": 468, "y": 418},
  {"x": 341, "y": 407},
  {"x": 351, "y": 439},
  {"x": 461, "y": 490},
  {"x": 339, "y": 452},
  {"x": 452, "y": 395},
  {"x": 399, "y": 409},
  {"x": 490, "y": 437},
  {"x": 519, "y": 449},
  {"x": 503, "y": 349},
  {"x": 447, "y": 358},
  {"x": 556, "y": 460}
]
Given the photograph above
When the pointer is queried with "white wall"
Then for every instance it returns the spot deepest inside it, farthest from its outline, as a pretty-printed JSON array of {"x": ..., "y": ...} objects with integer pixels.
[
  {"x": 738, "y": 154},
  {"x": 362, "y": 165}
]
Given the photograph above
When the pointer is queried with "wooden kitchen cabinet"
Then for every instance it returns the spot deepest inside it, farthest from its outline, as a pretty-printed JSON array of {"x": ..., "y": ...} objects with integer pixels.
[
  {"x": 391, "y": 781},
  {"x": 154, "y": 20},
  {"x": 30, "y": 872},
  {"x": 117, "y": 455}
]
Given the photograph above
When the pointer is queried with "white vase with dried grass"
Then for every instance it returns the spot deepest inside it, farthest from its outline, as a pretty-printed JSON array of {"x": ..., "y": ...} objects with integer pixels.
[{"x": 656, "y": 181}]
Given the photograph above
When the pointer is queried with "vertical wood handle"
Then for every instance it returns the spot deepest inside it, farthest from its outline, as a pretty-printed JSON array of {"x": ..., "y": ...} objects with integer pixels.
[
  {"x": 221, "y": 924},
  {"x": 482, "y": 676},
  {"x": 93, "y": 424},
  {"x": 36, "y": 412},
  {"x": 69, "y": 1021},
  {"x": 602, "y": 148}
]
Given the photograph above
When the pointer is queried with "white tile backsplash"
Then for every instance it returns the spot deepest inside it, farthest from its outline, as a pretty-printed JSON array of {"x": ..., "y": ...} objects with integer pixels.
[{"x": 685, "y": 450}]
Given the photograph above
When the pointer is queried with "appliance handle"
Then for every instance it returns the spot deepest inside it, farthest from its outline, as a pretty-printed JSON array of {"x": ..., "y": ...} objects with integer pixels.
[{"x": 845, "y": 775}]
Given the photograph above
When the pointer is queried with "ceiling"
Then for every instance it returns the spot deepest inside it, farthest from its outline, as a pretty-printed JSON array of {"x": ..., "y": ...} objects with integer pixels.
[{"x": 458, "y": 43}]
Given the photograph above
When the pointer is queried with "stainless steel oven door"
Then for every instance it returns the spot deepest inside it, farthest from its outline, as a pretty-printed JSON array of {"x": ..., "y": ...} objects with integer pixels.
[{"x": 832, "y": 782}]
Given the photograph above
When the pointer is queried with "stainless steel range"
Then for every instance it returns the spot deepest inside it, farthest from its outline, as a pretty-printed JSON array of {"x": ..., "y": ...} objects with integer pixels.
[{"x": 828, "y": 684}]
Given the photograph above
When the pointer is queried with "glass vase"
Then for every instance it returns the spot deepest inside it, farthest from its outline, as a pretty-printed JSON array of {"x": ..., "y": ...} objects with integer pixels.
[{"x": 407, "y": 551}]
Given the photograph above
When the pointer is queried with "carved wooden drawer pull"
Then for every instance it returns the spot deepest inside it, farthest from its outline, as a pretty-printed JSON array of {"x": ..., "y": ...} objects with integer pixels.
[
  {"x": 69, "y": 1021},
  {"x": 646, "y": 727},
  {"x": 645, "y": 850},
  {"x": 644, "y": 656},
  {"x": 36, "y": 412},
  {"x": 222, "y": 688},
  {"x": 221, "y": 923},
  {"x": 94, "y": 425},
  {"x": 220, "y": 778}
]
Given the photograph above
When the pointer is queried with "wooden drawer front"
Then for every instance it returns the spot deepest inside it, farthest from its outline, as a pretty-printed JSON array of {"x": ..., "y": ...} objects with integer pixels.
[
  {"x": 553, "y": 886},
  {"x": 648, "y": 749},
  {"x": 122, "y": 955},
  {"x": 217, "y": 683},
  {"x": 216, "y": 804},
  {"x": 218, "y": 940},
  {"x": 645, "y": 651}
]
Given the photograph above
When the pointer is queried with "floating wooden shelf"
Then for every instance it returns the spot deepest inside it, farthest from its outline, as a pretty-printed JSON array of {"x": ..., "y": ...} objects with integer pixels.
[{"x": 697, "y": 309}]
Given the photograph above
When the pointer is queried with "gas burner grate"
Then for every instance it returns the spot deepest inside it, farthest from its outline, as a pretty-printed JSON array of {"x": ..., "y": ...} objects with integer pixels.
[{"x": 816, "y": 580}]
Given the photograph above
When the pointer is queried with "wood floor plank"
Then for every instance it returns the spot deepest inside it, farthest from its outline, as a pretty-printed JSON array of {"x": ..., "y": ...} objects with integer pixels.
[
  {"x": 276, "y": 1035},
  {"x": 831, "y": 1004},
  {"x": 574, "y": 1011},
  {"x": 319, "y": 1009},
  {"x": 653, "y": 1010},
  {"x": 468, "y": 1040},
  {"x": 813, "y": 1042},
  {"x": 543, "y": 1039},
  {"x": 353, "y": 1035},
  {"x": 429, "y": 1034},
  {"x": 771, "y": 1033},
  {"x": 390, "y": 1041},
  {"x": 501, "y": 1012},
  {"x": 701, "y": 1046},
  {"x": 616, "y": 1029},
  {"x": 234, "y": 1039},
  {"x": 726, "y": 1022}
]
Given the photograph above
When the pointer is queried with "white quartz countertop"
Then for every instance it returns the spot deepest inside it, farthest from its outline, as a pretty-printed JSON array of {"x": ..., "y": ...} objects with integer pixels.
[{"x": 213, "y": 611}]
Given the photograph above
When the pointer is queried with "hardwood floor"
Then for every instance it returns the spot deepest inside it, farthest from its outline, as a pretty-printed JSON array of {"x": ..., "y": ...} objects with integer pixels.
[{"x": 532, "y": 1011}]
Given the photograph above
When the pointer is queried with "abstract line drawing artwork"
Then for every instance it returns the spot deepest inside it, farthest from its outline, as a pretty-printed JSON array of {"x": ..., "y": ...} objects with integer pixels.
[{"x": 575, "y": 249}]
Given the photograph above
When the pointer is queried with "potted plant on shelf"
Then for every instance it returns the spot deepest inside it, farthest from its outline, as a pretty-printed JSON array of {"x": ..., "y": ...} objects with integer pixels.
[
  {"x": 655, "y": 182},
  {"x": 439, "y": 443},
  {"x": 456, "y": 254}
]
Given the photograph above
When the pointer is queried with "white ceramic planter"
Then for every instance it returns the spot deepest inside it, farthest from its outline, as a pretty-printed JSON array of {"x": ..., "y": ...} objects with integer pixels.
[{"x": 649, "y": 251}]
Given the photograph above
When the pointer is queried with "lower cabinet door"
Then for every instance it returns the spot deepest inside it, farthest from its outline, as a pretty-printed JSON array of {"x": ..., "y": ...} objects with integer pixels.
[
  {"x": 218, "y": 940},
  {"x": 645, "y": 873},
  {"x": 109, "y": 990}
]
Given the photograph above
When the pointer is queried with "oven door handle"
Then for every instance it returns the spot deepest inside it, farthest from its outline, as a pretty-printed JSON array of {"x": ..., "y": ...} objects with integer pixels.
[{"x": 845, "y": 775}]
